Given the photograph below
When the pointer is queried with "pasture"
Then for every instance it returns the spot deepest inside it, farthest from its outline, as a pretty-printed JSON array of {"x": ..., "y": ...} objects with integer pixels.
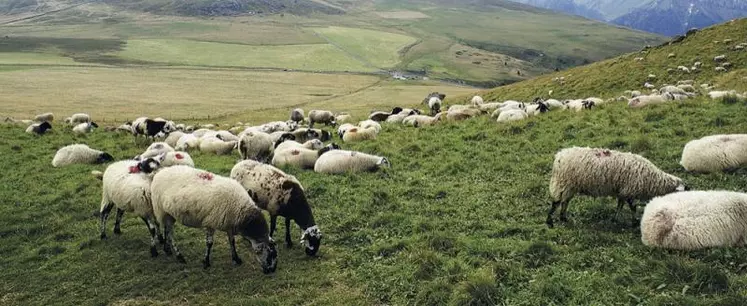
[
  {"x": 378, "y": 48},
  {"x": 458, "y": 219}
]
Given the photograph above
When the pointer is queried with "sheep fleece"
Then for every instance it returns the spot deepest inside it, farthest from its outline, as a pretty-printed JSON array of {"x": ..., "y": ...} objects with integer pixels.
[
  {"x": 341, "y": 161},
  {"x": 127, "y": 191},
  {"x": 75, "y": 154},
  {"x": 265, "y": 183},
  {"x": 715, "y": 153}
]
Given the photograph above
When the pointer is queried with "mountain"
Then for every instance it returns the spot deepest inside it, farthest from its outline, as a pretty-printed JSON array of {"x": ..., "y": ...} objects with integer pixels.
[
  {"x": 604, "y": 10},
  {"x": 674, "y": 17}
]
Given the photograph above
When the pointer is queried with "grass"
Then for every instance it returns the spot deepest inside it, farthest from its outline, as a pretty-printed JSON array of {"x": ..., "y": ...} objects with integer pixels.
[
  {"x": 376, "y": 47},
  {"x": 437, "y": 228},
  {"x": 13, "y": 58},
  {"x": 315, "y": 57}
]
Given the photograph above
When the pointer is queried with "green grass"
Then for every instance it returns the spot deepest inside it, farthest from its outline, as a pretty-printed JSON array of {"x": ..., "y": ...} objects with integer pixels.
[
  {"x": 13, "y": 58},
  {"x": 320, "y": 57},
  {"x": 378, "y": 48},
  {"x": 438, "y": 228}
]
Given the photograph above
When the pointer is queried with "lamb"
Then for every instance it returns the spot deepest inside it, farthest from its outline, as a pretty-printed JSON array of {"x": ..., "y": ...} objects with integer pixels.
[
  {"x": 715, "y": 153},
  {"x": 214, "y": 145},
  {"x": 49, "y": 117},
  {"x": 38, "y": 128},
  {"x": 280, "y": 194},
  {"x": 422, "y": 120},
  {"x": 314, "y": 144},
  {"x": 173, "y": 138},
  {"x": 370, "y": 123},
  {"x": 321, "y": 116},
  {"x": 300, "y": 157},
  {"x": 200, "y": 199},
  {"x": 695, "y": 220},
  {"x": 126, "y": 186},
  {"x": 512, "y": 115},
  {"x": 79, "y": 154},
  {"x": 359, "y": 134},
  {"x": 296, "y": 115},
  {"x": 84, "y": 128},
  {"x": 342, "y": 161},
  {"x": 601, "y": 172},
  {"x": 78, "y": 118},
  {"x": 477, "y": 100},
  {"x": 434, "y": 104},
  {"x": 256, "y": 146}
]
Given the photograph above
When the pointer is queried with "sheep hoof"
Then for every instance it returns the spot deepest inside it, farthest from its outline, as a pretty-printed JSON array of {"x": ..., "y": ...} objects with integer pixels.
[
  {"x": 153, "y": 252},
  {"x": 180, "y": 258}
]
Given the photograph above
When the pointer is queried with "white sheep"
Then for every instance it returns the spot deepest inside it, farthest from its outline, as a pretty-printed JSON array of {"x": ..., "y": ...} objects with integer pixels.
[
  {"x": 343, "y": 118},
  {"x": 155, "y": 149},
  {"x": 462, "y": 114},
  {"x": 491, "y": 106},
  {"x": 201, "y": 132},
  {"x": 638, "y": 59},
  {"x": 359, "y": 134},
  {"x": 256, "y": 145},
  {"x": 477, "y": 100},
  {"x": 314, "y": 144},
  {"x": 296, "y": 115},
  {"x": 577, "y": 104},
  {"x": 601, "y": 172},
  {"x": 422, "y": 120},
  {"x": 344, "y": 128},
  {"x": 79, "y": 118},
  {"x": 214, "y": 145},
  {"x": 694, "y": 220},
  {"x": 280, "y": 194},
  {"x": 173, "y": 138},
  {"x": 126, "y": 186},
  {"x": 397, "y": 118},
  {"x": 512, "y": 115},
  {"x": 648, "y": 85},
  {"x": 84, "y": 128},
  {"x": 187, "y": 141},
  {"x": 321, "y": 116},
  {"x": 642, "y": 101},
  {"x": 304, "y": 134},
  {"x": 177, "y": 158},
  {"x": 49, "y": 117},
  {"x": 200, "y": 199},
  {"x": 651, "y": 77},
  {"x": 79, "y": 154},
  {"x": 715, "y": 153},
  {"x": 536, "y": 109},
  {"x": 342, "y": 161},
  {"x": 719, "y": 58},
  {"x": 370, "y": 123},
  {"x": 673, "y": 90},
  {"x": 718, "y": 94},
  {"x": 300, "y": 157},
  {"x": 553, "y": 104},
  {"x": 671, "y": 55},
  {"x": 719, "y": 69},
  {"x": 434, "y": 104},
  {"x": 38, "y": 128}
]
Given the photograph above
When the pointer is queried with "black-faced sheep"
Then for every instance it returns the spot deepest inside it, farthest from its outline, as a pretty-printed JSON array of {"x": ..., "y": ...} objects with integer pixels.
[
  {"x": 281, "y": 195},
  {"x": 600, "y": 172},
  {"x": 39, "y": 128},
  {"x": 382, "y": 116},
  {"x": 84, "y": 128},
  {"x": 342, "y": 161},
  {"x": 79, "y": 154}
]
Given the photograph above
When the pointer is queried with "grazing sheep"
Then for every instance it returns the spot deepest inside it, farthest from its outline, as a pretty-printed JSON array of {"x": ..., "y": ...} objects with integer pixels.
[
  {"x": 173, "y": 138},
  {"x": 126, "y": 186},
  {"x": 357, "y": 134},
  {"x": 79, "y": 118},
  {"x": 280, "y": 194},
  {"x": 300, "y": 157},
  {"x": 48, "y": 117},
  {"x": 214, "y": 145},
  {"x": 720, "y": 58},
  {"x": 200, "y": 199},
  {"x": 296, "y": 115},
  {"x": 512, "y": 115},
  {"x": 342, "y": 161},
  {"x": 38, "y": 128},
  {"x": 695, "y": 220},
  {"x": 79, "y": 154},
  {"x": 314, "y": 144},
  {"x": 84, "y": 128},
  {"x": 344, "y": 128},
  {"x": 321, "y": 116},
  {"x": 370, "y": 123},
  {"x": 434, "y": 104},
  {"x": 601, "y": 172},
  {"x": 256, "y": 146},
  {"x": 715, "y": 153},
  {"x": 477, "y": 100}
]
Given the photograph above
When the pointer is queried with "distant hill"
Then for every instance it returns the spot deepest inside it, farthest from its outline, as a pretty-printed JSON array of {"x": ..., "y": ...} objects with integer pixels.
[{"x": 227, "y": 8}]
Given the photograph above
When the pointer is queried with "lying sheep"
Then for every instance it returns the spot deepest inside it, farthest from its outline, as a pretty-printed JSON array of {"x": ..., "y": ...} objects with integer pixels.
[
  {"x": 715, "y": 153},
  {"x": 79, "y": 154},
  {"x": 256, "y": 146},
  {"x": 177, "y": 158},
  {"x": 300, "y": 157},
  {"x": 343, "y": 118},
  {"x": 344, "y": 128},
  {"x": 214, "y": 145},
  {"x": 719, "y": 69},
  {"x": 321, "y": 116},
  {"x": 379, "y": 116},
  {"x": 200, "y": 199},
  {"x": 226, "y": 136},
  {"x": 342, "y": 161},
  {"x": 673, "y": 90},
  {"x": 642, "y": 101},
  {"x": 296, "y": 115},
  {"x": 601, "y": 172},
  {"x": 126, "y": 186},
  {"x": 397, "y": 118},
  {"x": 357, "y": 134},
  {"x": 39, "y": 128},
  {"x": 79, "y": 118},
  {"x": 155, "y": 149},
  {"x": 536, "y": 109},
  {"x": 280, "y": 194},
  {"x": 304, "y": 134},
  {"x": 648, "y": 85},
  {"x": 719, "y": 58},
  {"x": 370, "y": 124},
  {"x": 422, "y": 120},
  {"x": 46, "y": 117},
  {"x": 314, "y": 144},
  {"x": 718, "y": 94},
  {"x": 512, "y": 115},
  {"x": 84, "y": 128},
  {"x": 477, "y": 100},
  {"x": 173, "y": 138},
  {"x": 695, "y": 220},
  {"x": 186, "y": 142},
  {"x": 578, "y": 104}
]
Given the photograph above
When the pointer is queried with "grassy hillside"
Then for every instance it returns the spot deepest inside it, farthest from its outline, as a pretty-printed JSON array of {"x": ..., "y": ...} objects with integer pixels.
[{"x": 611, "y": 77}]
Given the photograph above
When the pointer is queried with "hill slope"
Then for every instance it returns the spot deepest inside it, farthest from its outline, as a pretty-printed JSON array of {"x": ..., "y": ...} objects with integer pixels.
[{"x": 227, "y": 8}]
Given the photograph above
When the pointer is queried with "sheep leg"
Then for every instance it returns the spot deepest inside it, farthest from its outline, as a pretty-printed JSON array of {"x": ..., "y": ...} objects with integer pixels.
[
  {"x": 273, "y": 224},
  {"x": 234, "y": 256},
  {"x": 564, "y": 210},
  {"x": 553, "y": 207},
  {"x": 632, "y": 211},
  {"x": 152, "y": 230},
  {"x": 118, "y": 221},
  {"x": 105, "y": 210},
  {"x": 288, "y": 242},
  {"x": 620, "y": 204},
  {"x": 209, "y": 244}
]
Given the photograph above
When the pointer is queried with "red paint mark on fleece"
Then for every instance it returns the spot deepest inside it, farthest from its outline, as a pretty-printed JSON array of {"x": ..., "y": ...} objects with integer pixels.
[
  {"x": 604, "y": 153},
  {"x": 295, "y": 152},
  {"x": 134, "y": 169},
  {"x": 206, "y": 176},
  {"x": 179, "y": 156}
]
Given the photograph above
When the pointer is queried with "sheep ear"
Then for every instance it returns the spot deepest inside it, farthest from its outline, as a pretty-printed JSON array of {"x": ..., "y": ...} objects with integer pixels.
[{"x": 287, "y": 185}]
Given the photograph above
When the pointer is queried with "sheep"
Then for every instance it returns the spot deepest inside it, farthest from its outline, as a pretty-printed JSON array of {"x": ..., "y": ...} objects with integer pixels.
[
  {"x": 226, "y": 136},
  {"x": 459, "y": 107},
  {"x": 477, "y": 100},
  {"x": 278, "y": 126},
  {"x": 280, "y": 194},
  {"x": 321, "y": 116},
  {"x": 553, "y": 103},
  {"x": 687, "y": 88},
  {"x": 651, "y": 77},
  {"x": 38, "y": 128},
  {"x": 694, "y": 220},
  {"x": 648, "y": 85},
  {"x": 78, "y": 118},
  {"x": 187, "y": 141},
  {"x": 342, "y": 161},
  {"x": 434, "y": 104},
  {"x": 717, "y": 94},
  {"x": 512, "y": 115},
  {"x": 684, "y": 69},
  {"x": 719, "y": 69},
  {"x": 296, "y": 115},
  {"x": 201, "y": 132},
  {"x": 214, "y": 145},
  {"x": 300, "y": 157},
  {"x": 670, "y": 55},
  {"x": 49, "y": 117},
  {"x": 200, "y": 199},
  {"x": 359, "y": 134},
  {"x": 314, "y": 144},
  {"x": 84, "y": 128},
  {"x": 370, "y": 123},
  {"x": 303, "y": 134},
  {"x": 578, "y": 104},
  {"x": 126, "y": 186},
  {"x": 422, "y": 120},
  {"x": 440, "y": 96},
  {"x": 343, "y": 118},
  {"x": 726, "y": 65},
  {"x": 344, "y": 128},
  {"x": 599, "y": 172},
  {"x": 638, "y": 59},
  {"x": 155, "y": 149},
  {"x": 173, "y": 138},
  {"x": 79, "y": 154},
  {"x": 279, "y": 137},
  {"x": 126, "y": 127},
  {"x": 642, "y": 101},
  {"x": 177, "y": 158},
  {"x": 715, "y": 153},
  {"x": 462, "y": 114},
  {"x": 719, "y": 58},
  {"x": 697, "y": 64},
  {"x": 397, "y": 118},
  {"x": 151, "y": 127},
  {"x": 536, "y": 109},
  {"x": 673, "y": 90},
  {"x": 379, "y": 116},
  {"x": 256, "y": 145},
  {"x": 492, "y": 106}
]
